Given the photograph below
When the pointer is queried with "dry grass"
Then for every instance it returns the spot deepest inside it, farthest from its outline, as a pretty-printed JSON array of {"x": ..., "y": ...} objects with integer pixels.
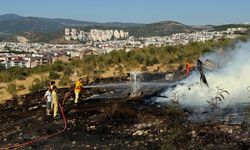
[
  {"x": 109, "y": 73},
  {"x": 26, "y": 83}
]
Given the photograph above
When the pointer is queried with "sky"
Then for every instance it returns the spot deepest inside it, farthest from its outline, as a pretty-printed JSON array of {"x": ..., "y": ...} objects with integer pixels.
[{"x": 191, "y": 12}]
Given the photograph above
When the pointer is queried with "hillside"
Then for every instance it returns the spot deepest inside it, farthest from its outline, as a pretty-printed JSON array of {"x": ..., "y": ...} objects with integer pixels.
[
  {"x": 161, "y": 29},
  {"x": 12, "y": 25},
  {"x": 29, "y": 24},
  {"x": 33, "y": 37},
  {"x": 226, "y": 26},
  {"x": 155, "y": 29},
  {"x": 9, "y": 17},
  {"x": 51, "y": 30}
]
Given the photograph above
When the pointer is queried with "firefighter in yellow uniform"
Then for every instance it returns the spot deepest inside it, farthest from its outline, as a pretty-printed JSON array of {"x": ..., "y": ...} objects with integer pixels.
[
  {"x": 78, "y": 88},
  {"x": 55, "y": 102}
]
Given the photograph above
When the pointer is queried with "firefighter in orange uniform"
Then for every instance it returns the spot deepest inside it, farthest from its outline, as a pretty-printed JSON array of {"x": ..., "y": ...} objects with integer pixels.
[{"x": 188, "y": 66}]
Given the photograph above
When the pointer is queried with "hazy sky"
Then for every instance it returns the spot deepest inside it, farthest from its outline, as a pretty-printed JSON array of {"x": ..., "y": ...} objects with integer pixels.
[{"x": 190, "y": 12}]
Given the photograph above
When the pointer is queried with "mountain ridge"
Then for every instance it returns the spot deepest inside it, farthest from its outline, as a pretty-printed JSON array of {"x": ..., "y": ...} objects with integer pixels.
[
  {"x": 8, "y": 23},
  {"x": 44, "y": 26},
  {"x": 9, "y": 17}
]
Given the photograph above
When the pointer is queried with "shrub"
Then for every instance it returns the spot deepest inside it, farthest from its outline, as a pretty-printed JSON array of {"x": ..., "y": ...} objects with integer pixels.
[
  {"x": 14, "y": 73},
  {"x": 171, "y": 61},
  {"x": 58, "y": 66},
  {"x": 41, "y": 69},
  {"x": 90, "y": 59},
  {"x": 87, "y": 69},
  {"x": 108, "y": 61},
  {"x": 68, "y": 70},
  {"x": 5, "y": 77},
  {"x": 12, "y": 89},
  {"x": 65, "y": 81},
  {"x": 18, "y": 73},
  {"x": 53, "y": 75},
  {"x": 38, "y": 84},
  {"x": 2, "y": 68},
  {"x": 155, "y": 60},
  {"x": 139, "y": 58}
]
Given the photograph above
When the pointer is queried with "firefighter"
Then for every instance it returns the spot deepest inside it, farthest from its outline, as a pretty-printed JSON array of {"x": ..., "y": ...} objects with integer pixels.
[
  {"x": 55, "y": 102},
  {"x": 52, "y": 83},
  {"x": 199, "y": 67},
  {"x": 48, "y": 98},
  {"x": 188, "y": 66},
  {"x": 78, "y": 88}
]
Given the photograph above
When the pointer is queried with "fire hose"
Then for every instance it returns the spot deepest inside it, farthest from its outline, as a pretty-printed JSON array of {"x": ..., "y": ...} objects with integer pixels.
[{"x": 15, "y": 146}]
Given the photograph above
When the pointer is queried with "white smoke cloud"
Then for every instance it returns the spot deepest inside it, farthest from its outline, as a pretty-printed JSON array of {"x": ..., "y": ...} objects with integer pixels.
[{"x": 233, "y": 76}]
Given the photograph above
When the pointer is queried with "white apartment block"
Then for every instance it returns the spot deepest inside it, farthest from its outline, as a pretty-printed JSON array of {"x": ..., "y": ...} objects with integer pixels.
[
  {"x": 95, "y": 35},
  {"x": 67, "y": 32},
  {"x": 73, "y": 32}
]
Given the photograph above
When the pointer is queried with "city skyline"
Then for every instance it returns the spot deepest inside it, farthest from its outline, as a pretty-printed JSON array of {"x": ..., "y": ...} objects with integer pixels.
[{"x": 192, "y": 12}]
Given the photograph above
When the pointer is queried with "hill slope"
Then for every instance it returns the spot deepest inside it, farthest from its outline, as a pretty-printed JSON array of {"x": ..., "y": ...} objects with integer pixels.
[
  {"x": 9, "y": 17},
  {"x": 161, "y": 29},
  {"x": 12, "y": 25}
]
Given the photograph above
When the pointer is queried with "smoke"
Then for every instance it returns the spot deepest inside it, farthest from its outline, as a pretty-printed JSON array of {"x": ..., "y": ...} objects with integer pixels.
[{"x": 233, "y": 76}]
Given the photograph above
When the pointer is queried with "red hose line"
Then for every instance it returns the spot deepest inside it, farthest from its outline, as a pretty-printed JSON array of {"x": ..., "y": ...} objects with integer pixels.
[{"x": 40, "y": 138}]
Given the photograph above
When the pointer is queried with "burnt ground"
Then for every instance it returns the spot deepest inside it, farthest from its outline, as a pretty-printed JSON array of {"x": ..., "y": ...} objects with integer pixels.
[{"x": 113, "y": 124}]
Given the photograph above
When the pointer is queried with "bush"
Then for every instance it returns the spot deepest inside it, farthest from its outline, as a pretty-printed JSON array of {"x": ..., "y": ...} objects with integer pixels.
[
  {"x": 53, "y": 75},
  {"x": 14, "y": 73},
  {"x": 18, "y": 73},
  {"x": 155, "y": 60},
  {"x": 65, "y": 81},
  {"x": 2, "y": 68},
  {"x": 58, "y": 66},
  {"x": 39, "y": 84},
  {"x": 139, "y": 58},
  {"x": 41, "y": 69},
  {"x": 12, "y": 89},
  {"x": 87, "y": 69},
  {"x": 5, "y": 77},
  {"x": 108, "y": 61},
  {"x": 171, "y": 61},
  {"x": 90, "y": 59},
  {"x": 68, "y": 70}
]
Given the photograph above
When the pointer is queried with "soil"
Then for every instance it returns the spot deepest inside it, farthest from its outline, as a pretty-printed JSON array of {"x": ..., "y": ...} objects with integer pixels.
[{"x": 113, "y": 123}]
